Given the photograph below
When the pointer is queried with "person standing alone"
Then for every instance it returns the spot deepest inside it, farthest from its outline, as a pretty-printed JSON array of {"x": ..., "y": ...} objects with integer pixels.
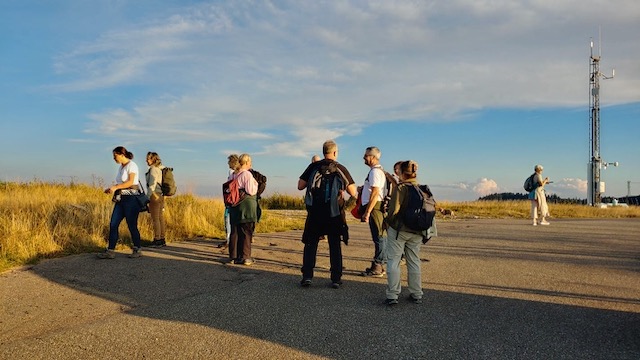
[{"x": 538, "y": 197}]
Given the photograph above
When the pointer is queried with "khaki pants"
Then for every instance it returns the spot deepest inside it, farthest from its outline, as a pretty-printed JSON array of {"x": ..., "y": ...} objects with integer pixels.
[{"x": 156, "y": 209}]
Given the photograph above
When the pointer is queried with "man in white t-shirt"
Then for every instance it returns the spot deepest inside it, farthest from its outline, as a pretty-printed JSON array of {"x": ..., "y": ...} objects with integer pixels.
[{"x": 372, "y": 196}]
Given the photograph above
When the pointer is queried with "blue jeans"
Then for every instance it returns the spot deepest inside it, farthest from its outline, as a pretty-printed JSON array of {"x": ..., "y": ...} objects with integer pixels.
[{"x": 127, "y": 208}]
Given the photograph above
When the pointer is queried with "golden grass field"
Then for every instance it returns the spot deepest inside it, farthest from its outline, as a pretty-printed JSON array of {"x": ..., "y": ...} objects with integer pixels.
[{"x": 42, "y": 220}]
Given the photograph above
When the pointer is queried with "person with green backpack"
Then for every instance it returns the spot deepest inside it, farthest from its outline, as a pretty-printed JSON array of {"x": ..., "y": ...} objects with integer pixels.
[{"x": 156, "y": 198}]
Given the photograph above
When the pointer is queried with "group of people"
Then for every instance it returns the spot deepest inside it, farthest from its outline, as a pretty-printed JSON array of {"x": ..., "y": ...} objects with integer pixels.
[
  {"x": 126, "y": 206},
  {"x": 391, "y": 238},
  {"x": 381, "y": 200}
]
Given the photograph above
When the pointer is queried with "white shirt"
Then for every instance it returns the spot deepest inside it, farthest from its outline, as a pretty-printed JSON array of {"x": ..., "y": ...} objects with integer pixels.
[
  {"x": 125, "y": 170},
  {"x": 377, "y": 179}
]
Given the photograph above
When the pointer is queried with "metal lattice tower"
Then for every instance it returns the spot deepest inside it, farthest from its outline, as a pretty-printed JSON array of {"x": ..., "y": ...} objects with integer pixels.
[{"x": 595, "y": 186}]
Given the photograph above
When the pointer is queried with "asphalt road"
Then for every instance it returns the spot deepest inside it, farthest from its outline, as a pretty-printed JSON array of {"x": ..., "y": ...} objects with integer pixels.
[{"x": 494, "y": 289}]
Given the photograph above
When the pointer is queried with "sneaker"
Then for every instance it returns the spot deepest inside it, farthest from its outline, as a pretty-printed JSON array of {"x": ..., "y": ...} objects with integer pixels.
[
  {"x": 415, "y": 300},
  {"x": 391, "y": 302},
  {"x": 305, "y": 282},
  {"x": 544, "y": 223},
  {"x": 158, "y": 243},
  {"x": 535, "y": 223},
  {"x": 136, "y": 253},
  {"x": 246, "y": 262},
  {"x": 107, "y": 254},
  {"x": 336, "y": 284}
]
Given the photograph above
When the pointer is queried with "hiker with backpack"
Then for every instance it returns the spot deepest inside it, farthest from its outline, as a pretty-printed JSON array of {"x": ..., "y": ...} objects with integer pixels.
[
  {"x": 410, "y": 223},
  {"x": 372, "y": 209},
  {"x": 538, "y": 196},
  {"x": 234, "y": 167},
  {"x": 243, "y": 214},
  {"x": 156, "y": 198},
  {"x": 325, "y": 182}
]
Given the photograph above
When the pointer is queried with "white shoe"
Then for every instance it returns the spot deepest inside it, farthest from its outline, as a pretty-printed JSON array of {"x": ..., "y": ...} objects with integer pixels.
[
  {"x": 544, "y": 223},
  {"x": 535, "y": 223}
]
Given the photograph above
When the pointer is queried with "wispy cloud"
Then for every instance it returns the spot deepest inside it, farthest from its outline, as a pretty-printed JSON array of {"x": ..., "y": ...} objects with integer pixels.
[{"x": 282, "y": 72}]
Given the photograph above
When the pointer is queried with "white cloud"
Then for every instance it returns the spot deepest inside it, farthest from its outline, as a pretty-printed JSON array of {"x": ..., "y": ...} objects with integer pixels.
[
  {"x": 485, "y": 187},
  {"x": 274, "y": 68}
]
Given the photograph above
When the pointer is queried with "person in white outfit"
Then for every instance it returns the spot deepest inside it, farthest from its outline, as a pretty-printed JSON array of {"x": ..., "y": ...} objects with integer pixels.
[{"x": 539, "y": 198}]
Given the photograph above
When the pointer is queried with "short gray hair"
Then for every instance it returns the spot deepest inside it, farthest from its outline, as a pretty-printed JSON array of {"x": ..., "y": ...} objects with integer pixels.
[
  {"x": 373, "y": 151},
  {"x": 537, "y": 167}
]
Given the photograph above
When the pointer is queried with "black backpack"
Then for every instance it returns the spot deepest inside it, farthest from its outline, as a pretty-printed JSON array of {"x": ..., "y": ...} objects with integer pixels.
[
  {"x": 261, "y": 179},
  {"x": 391, "y": 185},
  {"x": 420, "y": 208},
  {"x": 529, "y": 183},
  {"x": 168, "y": 185},
  {"x": 323, "y": 187}
]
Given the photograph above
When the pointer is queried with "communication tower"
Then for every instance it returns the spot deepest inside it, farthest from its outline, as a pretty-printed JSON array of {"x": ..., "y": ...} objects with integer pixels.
[{"x": 595, "y": 186}]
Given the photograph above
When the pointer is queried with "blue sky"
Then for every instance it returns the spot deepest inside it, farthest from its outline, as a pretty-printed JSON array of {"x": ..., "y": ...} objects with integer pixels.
[{"x": 477, "y": 92}]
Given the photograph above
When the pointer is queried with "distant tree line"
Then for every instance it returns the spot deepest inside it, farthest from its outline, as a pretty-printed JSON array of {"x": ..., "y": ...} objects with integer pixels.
[{"x": 555, "y": 199}]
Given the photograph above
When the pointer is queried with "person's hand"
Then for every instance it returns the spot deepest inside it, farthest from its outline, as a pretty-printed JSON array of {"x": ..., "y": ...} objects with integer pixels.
[{"x": 365, "y": 217}]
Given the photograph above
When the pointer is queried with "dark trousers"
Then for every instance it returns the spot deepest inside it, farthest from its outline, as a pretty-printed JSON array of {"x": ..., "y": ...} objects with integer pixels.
[
  {"x": 240, "y": 240},
  {"x": 127, "y": 208},
  {"x": 335, "y": 257}
]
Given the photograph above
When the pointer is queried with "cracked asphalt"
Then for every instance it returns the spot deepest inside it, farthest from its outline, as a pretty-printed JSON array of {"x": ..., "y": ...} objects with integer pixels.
[{"x": 494, "y": 289}]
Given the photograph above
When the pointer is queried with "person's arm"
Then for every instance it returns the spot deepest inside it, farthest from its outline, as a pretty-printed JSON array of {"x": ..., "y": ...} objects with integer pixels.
[
  {"x": 125, "y": 185},
  {"x": 302, "y": 184},
  {"x": 373, "y": 200}
]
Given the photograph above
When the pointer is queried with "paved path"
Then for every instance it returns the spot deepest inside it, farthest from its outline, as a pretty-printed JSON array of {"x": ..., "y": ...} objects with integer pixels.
[{"x": 494, "y": 289}]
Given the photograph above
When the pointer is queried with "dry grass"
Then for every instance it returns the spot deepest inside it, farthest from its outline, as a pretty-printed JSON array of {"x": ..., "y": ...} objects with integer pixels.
[
  {"x": 520, "y": 209},
  {"x": 41, "y": 220}
]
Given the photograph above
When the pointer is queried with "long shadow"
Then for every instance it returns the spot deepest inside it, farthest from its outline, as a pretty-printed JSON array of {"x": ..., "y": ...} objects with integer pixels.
[{"x": 187, "y": 283}]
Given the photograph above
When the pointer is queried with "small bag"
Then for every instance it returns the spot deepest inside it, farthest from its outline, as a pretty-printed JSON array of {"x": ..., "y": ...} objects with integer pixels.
[{"x": 143, "y": 201}]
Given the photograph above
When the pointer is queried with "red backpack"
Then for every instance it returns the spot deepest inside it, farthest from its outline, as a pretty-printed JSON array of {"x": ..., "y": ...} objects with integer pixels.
[{"x": 231, "y": 193}]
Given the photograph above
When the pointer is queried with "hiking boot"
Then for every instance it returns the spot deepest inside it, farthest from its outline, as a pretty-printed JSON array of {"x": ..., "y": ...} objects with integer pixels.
[
  {"x": 107, "y": 254},
  {"x": 391, "y": 302},
  {"x": 336, "y": 284},
  {"x": 376, "y": 270},
  {"x": 158, "y": 243},
  {"x": 306, "y": 282},
  {"x": 136, "y": 253},
  {"x": 415, "y": 300}
]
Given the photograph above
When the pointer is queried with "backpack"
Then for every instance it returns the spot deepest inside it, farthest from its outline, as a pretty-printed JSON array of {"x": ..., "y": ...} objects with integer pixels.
[
  {"x": 529, "y": 183},
  {"x": 231, "y": 193},
  {"x": 420, "y": 209},
  {"x": 262, "y": 181},
  {"x": 391, "y": 184},
  {"x": 168, "y": 185},
  {"x": 324, "y": 188}
]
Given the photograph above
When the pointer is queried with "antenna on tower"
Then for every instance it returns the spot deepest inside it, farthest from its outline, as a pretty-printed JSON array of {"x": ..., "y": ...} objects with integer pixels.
[{"x": 595, "y": 186}]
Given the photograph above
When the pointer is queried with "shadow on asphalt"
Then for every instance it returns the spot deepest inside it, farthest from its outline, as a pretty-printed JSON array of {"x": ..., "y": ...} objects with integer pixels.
[{"x": 189, "y": 284}]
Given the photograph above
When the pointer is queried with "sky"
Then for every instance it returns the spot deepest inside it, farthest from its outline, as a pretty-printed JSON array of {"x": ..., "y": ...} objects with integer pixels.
[{"x": 476, "y": 91}]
